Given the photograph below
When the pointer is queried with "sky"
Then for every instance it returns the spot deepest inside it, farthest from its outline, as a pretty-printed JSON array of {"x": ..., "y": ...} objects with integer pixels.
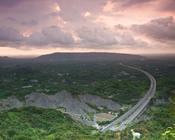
[{"x": 36, "y": 27}]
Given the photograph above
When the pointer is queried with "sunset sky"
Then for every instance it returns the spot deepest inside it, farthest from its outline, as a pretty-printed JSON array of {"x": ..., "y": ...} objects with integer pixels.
[{"x": 36, "y": 27}]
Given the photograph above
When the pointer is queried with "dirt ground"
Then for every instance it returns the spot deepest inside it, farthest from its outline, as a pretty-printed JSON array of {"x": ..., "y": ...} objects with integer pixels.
[
  {"x": 75, "y": 117},
  {"x": 99, "y": 117},
  {"x": 104, "y": 117}
]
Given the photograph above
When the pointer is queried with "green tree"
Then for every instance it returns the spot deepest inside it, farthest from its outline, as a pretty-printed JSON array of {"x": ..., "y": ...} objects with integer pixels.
[
  {"x": 11, "y": 132},
  {"x": 169, "y": 134},
  {"x": 22, "y": 137}
]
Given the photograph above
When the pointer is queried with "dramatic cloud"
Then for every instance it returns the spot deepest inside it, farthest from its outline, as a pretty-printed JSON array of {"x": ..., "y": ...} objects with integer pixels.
[
  {"x": 10, "y": 34},
  {"x": 98, "y": 36},
  {"x": 37, "y": 39},
  {"x": 55, "y": 35},
  {"x": 168, "y": 5},
  {"x": 160, "y": 29},
  {"x": 129, "y": 42},
  {"x": 10, "y": 37},
  {"x": 87, "y": 25},
  {"x": 10, "y": 3},
  {"x": 75, "y": 10},
  {"x": 31, "y": 23},
  {"x": 50, "y": 35},
  {"x": 119, "y": 26},
  {"x": 127, "y": 39},
  {"x": 135, "y": 2}
]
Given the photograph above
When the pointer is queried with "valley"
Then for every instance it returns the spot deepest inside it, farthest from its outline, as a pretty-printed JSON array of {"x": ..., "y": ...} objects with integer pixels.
[{"x": 81, "y": 87}]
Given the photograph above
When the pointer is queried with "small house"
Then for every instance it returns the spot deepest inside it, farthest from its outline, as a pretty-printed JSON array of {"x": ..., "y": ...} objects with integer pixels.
[{"x": 111, "y": 112}]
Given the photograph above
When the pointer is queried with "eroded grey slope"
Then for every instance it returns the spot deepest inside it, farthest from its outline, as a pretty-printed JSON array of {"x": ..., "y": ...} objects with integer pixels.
[
  {"x": 93, "y": 99},
  {"x": 60, "y": 99},
  {"x": 9, "y": 103}
]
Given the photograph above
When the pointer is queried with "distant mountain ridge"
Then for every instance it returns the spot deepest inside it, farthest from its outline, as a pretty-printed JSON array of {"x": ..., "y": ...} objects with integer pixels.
[
  {"x": 72, "y": 57},
  {"x": 87, "y": 56},
  {"x": 5, "y": 58}
]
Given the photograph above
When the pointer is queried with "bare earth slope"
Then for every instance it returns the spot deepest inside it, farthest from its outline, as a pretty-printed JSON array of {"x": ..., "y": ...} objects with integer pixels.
[
  {"x": 60, "y": 99},
  {"x": 95, "y": 100},
  {"x": 9, "y": 103}
]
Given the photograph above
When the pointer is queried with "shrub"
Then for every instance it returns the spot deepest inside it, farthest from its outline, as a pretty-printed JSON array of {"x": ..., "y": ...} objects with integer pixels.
[{"x": 11, "y": 132}]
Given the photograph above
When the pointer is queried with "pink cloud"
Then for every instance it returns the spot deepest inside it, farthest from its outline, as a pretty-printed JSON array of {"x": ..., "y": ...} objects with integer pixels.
[
  {"x": 99, "y": 24},
  {"x": 10, "y": 3},
  {"x": 108, "y": 7},
  {"x": 97, "y": 35},
  {"x": 166, "y": 6},
  {"x": 160, "y": 29},
  {"x": 50, "y": 35},
  {"x": 135, "y": 2},
  {"x": 10, "y": 34}
]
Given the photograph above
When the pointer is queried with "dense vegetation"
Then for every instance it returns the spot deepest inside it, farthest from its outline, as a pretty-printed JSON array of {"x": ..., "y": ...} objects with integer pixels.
[
  {"x": 151, "y": 129},
  {"x": 162, "y": 70},
  {"x": 107, "y": 79},
  {"x": 34, "y": 123},
  {"x": 102, "y": 78}
]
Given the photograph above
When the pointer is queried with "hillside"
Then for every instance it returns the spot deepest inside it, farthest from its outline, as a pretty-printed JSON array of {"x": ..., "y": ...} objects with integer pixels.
[
  {"x": 32, "y": 123},
  {"x": 88, "y": 56},
  {"x": 6, "y": 61},
  {"x": 35, "y": 123},
  {"x": 61, "y": 99}
]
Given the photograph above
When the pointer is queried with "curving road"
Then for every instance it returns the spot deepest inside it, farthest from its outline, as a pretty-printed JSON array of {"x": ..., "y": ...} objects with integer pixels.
[{"x": 137, "y": 109}]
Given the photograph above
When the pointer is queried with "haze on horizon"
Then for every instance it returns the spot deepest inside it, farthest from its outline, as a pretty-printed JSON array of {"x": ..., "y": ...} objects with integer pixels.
[{"x": 36, "y": 27}]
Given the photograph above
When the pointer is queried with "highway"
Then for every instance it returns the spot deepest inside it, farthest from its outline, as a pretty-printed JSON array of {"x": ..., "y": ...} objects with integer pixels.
[{"x": 137, "y": 109}]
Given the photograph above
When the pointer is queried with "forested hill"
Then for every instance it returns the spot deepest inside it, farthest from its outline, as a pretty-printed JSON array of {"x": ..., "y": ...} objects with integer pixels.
[
  {"x": 5, "y": 58},
  {"x": 88, "y": 56},
  {"x": 14, "y": 61},
  {"x": 72, "y": 56}
]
